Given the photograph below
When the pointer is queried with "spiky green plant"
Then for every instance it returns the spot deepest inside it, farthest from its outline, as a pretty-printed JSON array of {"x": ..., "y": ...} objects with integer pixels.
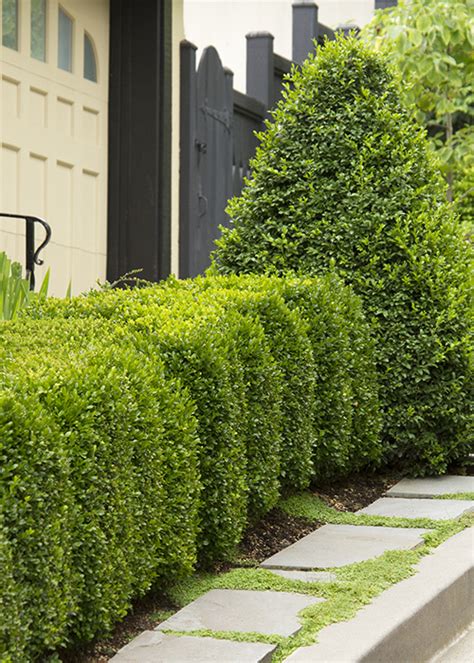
[{"x": 15, "y": 293}]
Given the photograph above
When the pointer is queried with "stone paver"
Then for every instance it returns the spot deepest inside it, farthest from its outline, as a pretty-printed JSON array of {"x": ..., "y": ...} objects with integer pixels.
[
  {"x": 306, "y": 576},
  {"x": 418, "y": 508},
  {"x": 155, "y": 647},
  {"x": 338, "y": 545},
  {"x": 429, "y": 487},
  {"x": 271, "y": 613}
]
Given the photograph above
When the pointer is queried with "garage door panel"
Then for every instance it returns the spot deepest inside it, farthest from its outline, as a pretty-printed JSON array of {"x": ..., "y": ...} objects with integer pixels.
[
  {"x": 54, "y": 135},
  {"x": 10, "y": 97},
  {"x": 84, "y": 262},
  {"x": 63, "y": 202},
  {"x": 38, "y": 106}
]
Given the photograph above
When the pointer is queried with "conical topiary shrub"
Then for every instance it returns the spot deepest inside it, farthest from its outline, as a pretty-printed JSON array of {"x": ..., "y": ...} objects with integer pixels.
[{"x": 344, "y": 177}]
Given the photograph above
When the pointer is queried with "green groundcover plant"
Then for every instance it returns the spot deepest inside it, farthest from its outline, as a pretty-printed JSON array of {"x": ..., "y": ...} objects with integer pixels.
[
  {"x": 141, "y": 430},
  {"x": 344, "y": 179}
]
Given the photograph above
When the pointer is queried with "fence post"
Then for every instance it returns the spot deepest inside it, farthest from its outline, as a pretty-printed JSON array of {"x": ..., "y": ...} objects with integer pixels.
[
  {"x": 260, "y": 67},
  {"x": 305, "y": 29},
  {"x": 188, "y": 165}
]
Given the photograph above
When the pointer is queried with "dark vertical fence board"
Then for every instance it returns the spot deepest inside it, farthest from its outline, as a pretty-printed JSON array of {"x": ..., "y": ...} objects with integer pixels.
[
  {"x": 385, "y": 4},
  {"x": 212, "y": 158},
  {"x": 324, "y": 32},
  {"x": 281, "y": 68},
  {"x": 305, "y": 29},
  {"x": 188, "y": 157},
  {"x": 139, "y": 215},
  {"x": 260, "y": 67}
]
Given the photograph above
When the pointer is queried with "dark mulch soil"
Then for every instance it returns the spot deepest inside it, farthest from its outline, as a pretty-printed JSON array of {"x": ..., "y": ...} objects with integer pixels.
[
  {"x": 466, "y": 469},
  {"x": 273, "y": 533},
  {"x": 356, "y": 492},
  {"x": 145, "y": 615},
  {"x": 276, "y": 531}
]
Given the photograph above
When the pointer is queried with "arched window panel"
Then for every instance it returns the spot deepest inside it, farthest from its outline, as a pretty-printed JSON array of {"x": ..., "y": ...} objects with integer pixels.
[
  {"x": 10, "y": 24},
  {"x": 65, "y": 37},
  {"x": 38, "y": 29},
  {"x": 90, "y": 60}
]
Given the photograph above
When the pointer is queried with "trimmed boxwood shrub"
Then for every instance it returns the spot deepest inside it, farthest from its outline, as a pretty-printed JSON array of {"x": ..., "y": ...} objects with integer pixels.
[
  {"x": 199, "y": 342},
  {"x": 37, "y": 523},
  {"x": 195, "y": 344},
  {"x": 141, "y": 430},
  {"x": 344, "y": 178},
  {"x": 345, "y": 416},
  {"x": 261, "y": 407},
  {"x": 286, "y": 334},
  {"x": 98, "y": 473}
]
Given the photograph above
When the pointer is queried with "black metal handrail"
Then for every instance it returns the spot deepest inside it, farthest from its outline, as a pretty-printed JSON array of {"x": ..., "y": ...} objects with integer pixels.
[{"x": 32, "y": 255}]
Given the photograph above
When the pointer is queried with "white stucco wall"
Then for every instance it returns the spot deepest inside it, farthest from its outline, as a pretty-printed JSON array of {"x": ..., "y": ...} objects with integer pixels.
[{"x": 224, "y": 24}]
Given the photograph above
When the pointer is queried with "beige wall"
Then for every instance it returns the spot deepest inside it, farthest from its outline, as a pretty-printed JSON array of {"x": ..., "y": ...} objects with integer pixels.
[
  {"x": 53, "y": 135},
  {"x": 224, "y": 24}
]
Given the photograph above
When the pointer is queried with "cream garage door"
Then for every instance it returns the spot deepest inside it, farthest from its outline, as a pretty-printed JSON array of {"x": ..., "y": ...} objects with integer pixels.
[{"x": 54, "y": 95}]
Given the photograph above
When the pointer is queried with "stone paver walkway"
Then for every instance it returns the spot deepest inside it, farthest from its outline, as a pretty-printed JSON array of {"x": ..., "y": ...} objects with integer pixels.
[
  {"x": 448, "y": 485},
  {"x": 156, "y": 647},
  {"x": 276, "y": 613},
  {"x": 331, "y": 546},
  {"x": 419, "y": 508},
  {"x": 271, "y": 613}
]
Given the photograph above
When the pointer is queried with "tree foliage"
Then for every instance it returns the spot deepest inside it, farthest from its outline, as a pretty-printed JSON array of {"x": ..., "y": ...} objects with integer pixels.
[{"x": 431, "y": 42}]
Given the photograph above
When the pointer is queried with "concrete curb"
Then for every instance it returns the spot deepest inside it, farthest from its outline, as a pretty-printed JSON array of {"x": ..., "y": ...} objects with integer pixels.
[{"x": 412, "y": 620}]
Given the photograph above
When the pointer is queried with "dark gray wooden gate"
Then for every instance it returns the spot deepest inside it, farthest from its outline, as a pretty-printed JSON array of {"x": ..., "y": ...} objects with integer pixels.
[
  {"x": 217, "y": 130},
  {"x": 211, "y": 156}
]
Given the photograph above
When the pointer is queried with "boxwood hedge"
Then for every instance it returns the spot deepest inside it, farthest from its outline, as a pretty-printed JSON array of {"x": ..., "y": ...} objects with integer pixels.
[
  {"x": 98, "y": 477},
  {"x": 141, "y": 430},
  {"x": 345, "y": 414}
]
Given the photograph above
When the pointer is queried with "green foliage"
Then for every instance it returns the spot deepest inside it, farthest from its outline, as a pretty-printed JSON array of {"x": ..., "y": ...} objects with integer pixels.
[
  {"x": 141, "y": 430},
  {"x": 455, "y": 496},
  {"x": 345, "y": 416},
  {"x": 432, "y": 46},
  {"x": 289, "y": 345},
  {"x": 344, "y": 180},
  {"x": 464, "y": 200},
  {"x": 98, "y": 474},
  {"x": 15, "y": 291}
]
